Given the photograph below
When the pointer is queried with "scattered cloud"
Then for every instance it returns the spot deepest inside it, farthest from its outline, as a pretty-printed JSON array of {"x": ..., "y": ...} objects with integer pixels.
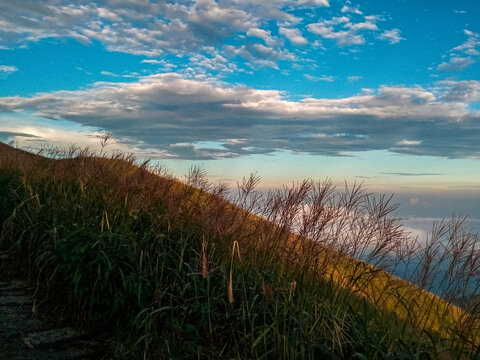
[
  {"x": 393, "y": 36},
  {"x": 262, "y": 34},
  {"x": 294, "y": 35},
  {"x": 108, "y": 73},
  {"x": 343, "y": 31},
  {"x": 313, "y": 3},
  {"x": 153, "y": 29},
  {"x": 455, "y": 64},
  {"x": 350, "y": 9},
  {"x": 162, "y": 64},
  {"x": 214, "y": 62},
  {"x": 239, "y": 31},
  {"x": 464, "y": 55},
  {"x": 166, "y": 109},
  {"x": 259, "y": 55},
  {"x": 471, "y": 46},
  {"x": 409, "y": 142}
]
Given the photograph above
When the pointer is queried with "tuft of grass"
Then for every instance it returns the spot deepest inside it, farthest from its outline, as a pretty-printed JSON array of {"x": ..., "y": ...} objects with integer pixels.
[{"x": 187, "y": 270}]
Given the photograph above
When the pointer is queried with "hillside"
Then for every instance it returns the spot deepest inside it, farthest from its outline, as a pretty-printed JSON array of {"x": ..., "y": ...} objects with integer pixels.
[{"x": 175, "y": 269}]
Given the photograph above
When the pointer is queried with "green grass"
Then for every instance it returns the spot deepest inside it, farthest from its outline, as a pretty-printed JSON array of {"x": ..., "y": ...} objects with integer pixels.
[{"x": 170, "y": 272}]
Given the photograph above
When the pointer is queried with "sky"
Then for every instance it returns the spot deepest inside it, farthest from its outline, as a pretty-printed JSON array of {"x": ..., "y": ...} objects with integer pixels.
[{"x": 381, "y": 92}]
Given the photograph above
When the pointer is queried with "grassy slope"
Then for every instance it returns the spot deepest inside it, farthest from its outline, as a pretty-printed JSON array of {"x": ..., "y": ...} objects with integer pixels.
[{"x": 156, "y": 263}]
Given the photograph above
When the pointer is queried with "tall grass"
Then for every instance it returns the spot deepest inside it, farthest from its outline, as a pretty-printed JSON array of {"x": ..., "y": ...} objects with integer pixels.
[{"x": 189, "y": 269}]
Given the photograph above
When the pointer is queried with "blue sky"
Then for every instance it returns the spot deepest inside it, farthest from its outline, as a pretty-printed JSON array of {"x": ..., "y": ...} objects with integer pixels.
[{"x": 385, "y": 92}]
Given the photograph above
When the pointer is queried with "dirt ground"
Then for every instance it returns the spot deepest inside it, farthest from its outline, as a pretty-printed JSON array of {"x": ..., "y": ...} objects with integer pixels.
[{"x": 26, "y": 334}]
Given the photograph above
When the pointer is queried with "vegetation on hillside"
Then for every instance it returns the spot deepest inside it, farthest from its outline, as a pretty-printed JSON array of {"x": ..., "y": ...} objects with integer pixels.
[{"x": 186, "y": 270}]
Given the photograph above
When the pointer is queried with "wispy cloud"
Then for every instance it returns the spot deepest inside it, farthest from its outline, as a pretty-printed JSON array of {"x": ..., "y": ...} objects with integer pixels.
[
  {"x": 410, "y": 174},
  {"x": 313, "y": 3},
  {"x": 347, "y": 32},
  {"x": 455, "y": 64},
  {"x": 393, "y": 36},
  {"x": 354, "y": 78},
  {"x": 464, "y": 55},
  {"x": 327, "y": 78},
  {"x": 151, "y": 61},
  {"x": 7, "y": 69},
  {"x": 342, "y": 30},
  {"x": 109, "y": 73}
]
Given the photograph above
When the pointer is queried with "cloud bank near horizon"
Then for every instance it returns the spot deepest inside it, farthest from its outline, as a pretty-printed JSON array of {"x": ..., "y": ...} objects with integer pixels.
[{"x": 202, "y": 118}]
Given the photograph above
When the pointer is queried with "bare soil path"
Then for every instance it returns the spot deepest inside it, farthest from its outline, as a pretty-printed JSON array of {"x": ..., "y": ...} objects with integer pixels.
[{"x": 28, "y": 335}]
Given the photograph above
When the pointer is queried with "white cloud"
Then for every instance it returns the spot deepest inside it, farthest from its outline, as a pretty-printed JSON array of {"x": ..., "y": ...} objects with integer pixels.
[
  {"x": 464, "y": 55},
  {"x": 32, "y": 134},
  {"x": 260, "y": 55},
  {"x": 216, "y": 63},
  {"x": 362, "y": 26},
  {"x": 349, "y": 9},
  {"x": 294, "y": 35},
  {"x": 313, "y": 3},
  {"x": 108, "y": 73},
  {"x": 149, "y": 28},
  {"x": 419, "y": 233},
  {"x": 391, "y": 35},
  {"x": 343, "y": 31},
  {"x": 354, "y": 78},
  {"x": 409, "y": 142},
  {"x": 326, "y": 78},
  {"x": 262, "y": 34},
  {"x": 164, "y": 65},
  {"x": 151, "y": 61},
  {"x": 7, "y": 69},
  {"x": 455, "y": 64},
  {"x": 470, "y": 46},
  {"x": 107, "y": 14}
]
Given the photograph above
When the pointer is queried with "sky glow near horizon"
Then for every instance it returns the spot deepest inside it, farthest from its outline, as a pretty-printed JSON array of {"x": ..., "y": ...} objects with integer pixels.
[{"x": 384, "y": 92}]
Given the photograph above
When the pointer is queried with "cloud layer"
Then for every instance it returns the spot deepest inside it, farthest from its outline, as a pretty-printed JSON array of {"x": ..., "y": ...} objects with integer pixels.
[{"x": 176, "y": 114}]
